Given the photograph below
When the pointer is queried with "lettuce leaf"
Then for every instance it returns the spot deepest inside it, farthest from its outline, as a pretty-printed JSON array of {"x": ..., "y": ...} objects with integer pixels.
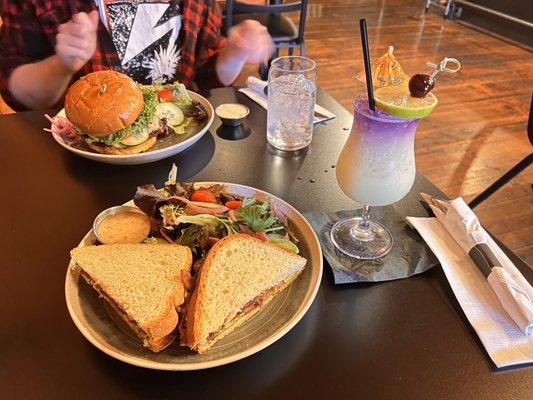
[
  {"x": 154, "y": 240},
  {"x": 181, "y": 96},
  {"x": 207, "y": 220},
  {"x": 190, "y": 236},
  {"x": 257, "y": 217},
  {"x": 150, "y": 200},
  {"x": 284, "y": 244}
]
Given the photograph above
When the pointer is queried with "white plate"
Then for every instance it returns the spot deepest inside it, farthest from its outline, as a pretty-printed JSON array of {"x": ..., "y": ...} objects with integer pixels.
[
  {"x": 104, "y": 329},
  {"x": 164, "y": 148}
]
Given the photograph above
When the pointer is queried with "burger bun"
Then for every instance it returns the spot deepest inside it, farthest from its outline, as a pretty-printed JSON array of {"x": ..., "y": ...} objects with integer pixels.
[
  {"x": 140, "y": 148},
  {"x": 104, "y": 102}
]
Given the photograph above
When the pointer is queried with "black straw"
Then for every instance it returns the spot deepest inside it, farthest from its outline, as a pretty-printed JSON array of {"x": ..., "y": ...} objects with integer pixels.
[{"x": 368, "y": 70}]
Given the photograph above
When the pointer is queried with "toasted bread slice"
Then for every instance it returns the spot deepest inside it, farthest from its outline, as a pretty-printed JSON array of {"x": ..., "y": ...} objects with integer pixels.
[
  {"x": 240, "y": 275},
  {"x": 143, "y": 282}
]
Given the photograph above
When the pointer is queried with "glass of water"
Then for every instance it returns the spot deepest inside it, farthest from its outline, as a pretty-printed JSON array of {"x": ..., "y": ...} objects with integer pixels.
[{"x": 291, "y": 102}]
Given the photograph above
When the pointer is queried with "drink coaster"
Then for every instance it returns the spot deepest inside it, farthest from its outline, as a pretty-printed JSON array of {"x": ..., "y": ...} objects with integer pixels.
[{"x": 409, "y": 255}]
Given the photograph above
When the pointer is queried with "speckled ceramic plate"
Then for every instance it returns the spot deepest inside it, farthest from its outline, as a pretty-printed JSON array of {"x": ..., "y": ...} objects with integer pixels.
[
  {"x": 103, "y": 328},
  {"x": 164, "y": 147}
]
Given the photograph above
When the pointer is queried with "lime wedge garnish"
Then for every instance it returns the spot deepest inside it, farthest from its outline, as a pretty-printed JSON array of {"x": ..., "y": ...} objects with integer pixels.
[{"x": 397, "y": 101}]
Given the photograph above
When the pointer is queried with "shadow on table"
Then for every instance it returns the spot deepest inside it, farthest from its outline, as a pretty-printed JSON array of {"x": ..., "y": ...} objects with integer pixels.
[
  {"x": 112, "y": 181},
  {"x": 280, "y": 169}
]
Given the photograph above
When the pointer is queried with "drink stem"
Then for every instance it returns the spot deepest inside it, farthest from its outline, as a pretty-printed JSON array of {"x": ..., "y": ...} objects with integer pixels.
[
  {"x": 364, "y": 225},
  {"x": 362, "y": 231}
]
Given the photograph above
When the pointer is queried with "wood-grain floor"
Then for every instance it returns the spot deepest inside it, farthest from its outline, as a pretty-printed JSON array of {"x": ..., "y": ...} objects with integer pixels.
[{"x": 478, "y": 130}]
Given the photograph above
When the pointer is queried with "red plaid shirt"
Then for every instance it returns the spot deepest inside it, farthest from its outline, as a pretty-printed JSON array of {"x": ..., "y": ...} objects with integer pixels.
[{"x": 30, "y": 27}]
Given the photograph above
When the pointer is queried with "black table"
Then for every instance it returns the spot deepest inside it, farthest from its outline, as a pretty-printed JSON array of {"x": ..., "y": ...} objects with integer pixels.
[{"x": 401, "y": 339}]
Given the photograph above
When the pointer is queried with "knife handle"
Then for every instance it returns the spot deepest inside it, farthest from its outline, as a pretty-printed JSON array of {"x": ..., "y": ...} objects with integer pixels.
[{"x": 484, "y": 258}]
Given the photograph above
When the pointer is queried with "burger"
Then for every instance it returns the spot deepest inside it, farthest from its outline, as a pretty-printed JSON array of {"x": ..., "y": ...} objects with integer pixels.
[{"x": 114, "y": 115}]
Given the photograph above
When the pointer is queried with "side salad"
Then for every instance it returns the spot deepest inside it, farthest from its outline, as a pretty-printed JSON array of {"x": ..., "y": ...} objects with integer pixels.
[
  {"x": 167, "y": 109},
  {"x": 175, "y": 107},
  {"x": 198, "y": 217}
]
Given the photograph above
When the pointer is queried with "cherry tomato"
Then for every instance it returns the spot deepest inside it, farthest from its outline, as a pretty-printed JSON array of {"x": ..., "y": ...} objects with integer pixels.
[
  {"x": 203, "y": 196},
  {"x": 233, "y": 204},
  {"x": 165, "y": 95}
]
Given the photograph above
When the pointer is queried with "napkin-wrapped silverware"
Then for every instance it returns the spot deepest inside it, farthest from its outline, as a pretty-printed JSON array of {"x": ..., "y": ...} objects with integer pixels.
[{"x": 463, "y": 225}]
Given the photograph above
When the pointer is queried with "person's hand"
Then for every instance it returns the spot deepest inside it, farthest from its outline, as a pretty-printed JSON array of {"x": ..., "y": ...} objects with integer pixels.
[
  {"x": 76, "y": 40},
  {"x": 250, "y": 42}
]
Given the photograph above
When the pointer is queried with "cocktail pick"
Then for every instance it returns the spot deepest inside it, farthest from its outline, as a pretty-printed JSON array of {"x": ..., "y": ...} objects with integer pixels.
[
  {"x": 421, "y": 84},
  {"x": 442, "y": 66}
]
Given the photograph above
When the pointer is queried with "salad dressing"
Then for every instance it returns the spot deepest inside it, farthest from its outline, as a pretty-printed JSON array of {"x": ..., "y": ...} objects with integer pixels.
[
  {"x": 232, "y": 111},
  {"x": 124, "y": 227}
]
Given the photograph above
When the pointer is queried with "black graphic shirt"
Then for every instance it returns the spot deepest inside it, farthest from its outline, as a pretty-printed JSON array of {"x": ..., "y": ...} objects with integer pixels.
[{"x": 146, "y": 35}]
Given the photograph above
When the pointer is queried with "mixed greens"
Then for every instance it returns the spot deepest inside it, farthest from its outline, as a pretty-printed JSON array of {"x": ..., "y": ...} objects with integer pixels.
[
  {"x": 200, "y": 216},
  {"x": 172, "y": 101},
  {"x": 167, "y": 109}
]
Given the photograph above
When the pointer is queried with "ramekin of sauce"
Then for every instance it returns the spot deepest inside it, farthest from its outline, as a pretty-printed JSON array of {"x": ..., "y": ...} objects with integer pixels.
[
  {"x": 121, "y": 224},
  {"x": 232, "y": 114}
]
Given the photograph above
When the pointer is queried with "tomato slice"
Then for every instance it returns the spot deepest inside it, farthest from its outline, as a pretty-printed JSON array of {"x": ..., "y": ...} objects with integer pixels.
[
  {"x": 233, "y": 204},
  {"x": 165, "y": 95},
  {"x": 204, "y": 196}
]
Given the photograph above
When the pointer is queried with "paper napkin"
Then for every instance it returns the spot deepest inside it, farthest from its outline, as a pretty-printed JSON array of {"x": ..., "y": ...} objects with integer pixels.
[
  {"x": 254, "y": 91},
  {"x": 503, "y": 339}
]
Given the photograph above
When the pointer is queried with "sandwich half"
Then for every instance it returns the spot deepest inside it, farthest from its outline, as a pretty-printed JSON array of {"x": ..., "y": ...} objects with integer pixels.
[
  {"x": 240, "y": 275},
  {"x": 145, "y": 283}
]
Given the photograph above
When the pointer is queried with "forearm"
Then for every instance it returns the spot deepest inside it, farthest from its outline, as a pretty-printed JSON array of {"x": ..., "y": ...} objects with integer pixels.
[
  {"x": 40, "y": 85},
  {"x": 247, "y": 42}
]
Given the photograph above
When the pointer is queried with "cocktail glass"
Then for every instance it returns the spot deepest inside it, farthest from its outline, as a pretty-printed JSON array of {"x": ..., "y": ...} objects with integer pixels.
[{"x": 376, "y": 167}]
